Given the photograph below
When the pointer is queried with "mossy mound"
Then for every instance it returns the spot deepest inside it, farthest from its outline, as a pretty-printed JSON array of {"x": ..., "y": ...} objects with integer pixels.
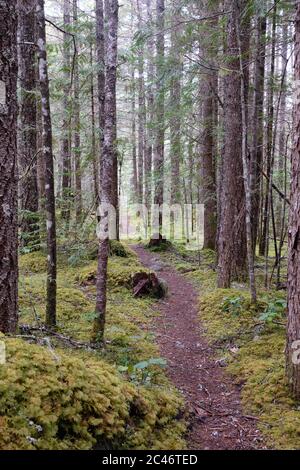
[
  {"x": 120, "y": 271},
  {"x": 119, "y": 249},
  {"x": 35, "y": 262},
  {"x": 59, "y": 401},
  {"x": 259, "y": 362}
]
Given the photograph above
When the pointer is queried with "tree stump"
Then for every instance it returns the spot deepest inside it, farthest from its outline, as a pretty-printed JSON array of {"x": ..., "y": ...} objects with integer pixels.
[{"x": 144, "y": 283}]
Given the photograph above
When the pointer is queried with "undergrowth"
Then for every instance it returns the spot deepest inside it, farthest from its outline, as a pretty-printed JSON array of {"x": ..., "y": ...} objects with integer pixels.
[
  {"x": 251, "y": 341},
  {"x": 56, "y": 397}
]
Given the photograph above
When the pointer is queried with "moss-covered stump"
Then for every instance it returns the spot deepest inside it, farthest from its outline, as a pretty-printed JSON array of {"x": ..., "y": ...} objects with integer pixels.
[{"x": 145, "y": 283}]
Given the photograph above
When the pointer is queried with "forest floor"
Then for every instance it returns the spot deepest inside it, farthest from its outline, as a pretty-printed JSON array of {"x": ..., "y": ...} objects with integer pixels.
[{"x": 210, "y": 393}]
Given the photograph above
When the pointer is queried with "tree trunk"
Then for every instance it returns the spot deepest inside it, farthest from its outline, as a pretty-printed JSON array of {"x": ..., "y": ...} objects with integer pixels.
[
  {"x": 264, "y": 244},
  {"x": 209, "y": 84},
  {"x": 232, "y": 247},
  {"x": 28, "y": 189},
  {"x": 160, "y": 111},
  {"x": 8, "y": 168},
  {"x": 293, "y": 326},
  {"x": 77, "y": 149},
  {"x": 94, "y": 156},
  {"x": 141, "y": 112},
  {"x": 109, "y": 152},
  {"x": 133, "y": 139},
  {"x": 150, "y": 113},
  {"x": 65, "y": 140},
  {"x": 257, "y": 125},
  {"x": 100, "y": 76},
  {"x": 49, "y": 176}
]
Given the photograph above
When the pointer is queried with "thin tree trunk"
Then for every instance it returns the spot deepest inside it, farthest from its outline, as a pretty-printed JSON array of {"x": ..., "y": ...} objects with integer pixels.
[
  {"x": 100, "y": 76},
  {"x": 257, "y": 125},
  {"x": 208, "y": 86},
  {"x": 264, "y": 244},
  {"x": 49, "y": 176},
  {"x": 159, "y": 111},
  {"x": 8, "y": 166},
  {"x": 150, "y": 111},
  {"x": 293, "y": 325},
  {"x": 65, "y": 140},
  {"x": 94, "y": 156},
  {"x": 28, "y": 188},
  {"x": 133, "y": 138},
  {"x": 141, "y": 111},
  {"x": 109, "y": 151},
  {"x": 246, "y": 172},
  {"x": 175, "y": 104},
  {"x": 77, "y": 149}
]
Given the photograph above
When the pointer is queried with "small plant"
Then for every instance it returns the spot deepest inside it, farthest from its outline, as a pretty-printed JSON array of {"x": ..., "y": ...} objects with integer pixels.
[
  {"x": 274, "y": 310},
  {"x": 143, "y": 372},
  {"x": 232, "y": 305}
]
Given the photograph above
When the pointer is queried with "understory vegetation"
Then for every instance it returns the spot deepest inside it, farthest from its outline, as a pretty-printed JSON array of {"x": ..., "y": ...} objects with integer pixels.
[
  {"x": 59, "y": 393},
  {"x": 249, "y": 341}
]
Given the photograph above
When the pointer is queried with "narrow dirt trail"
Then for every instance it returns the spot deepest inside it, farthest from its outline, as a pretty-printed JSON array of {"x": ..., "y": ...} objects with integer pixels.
[{"x": 212, "y": 397}]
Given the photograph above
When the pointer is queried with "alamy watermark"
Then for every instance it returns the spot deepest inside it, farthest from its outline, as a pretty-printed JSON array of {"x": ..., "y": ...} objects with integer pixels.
[{"x": 180, "y": 222}]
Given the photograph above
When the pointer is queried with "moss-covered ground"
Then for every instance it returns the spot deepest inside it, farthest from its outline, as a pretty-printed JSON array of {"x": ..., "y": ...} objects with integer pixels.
[
  {"x": 250, "y": 341},
  {"x": 54, "y": 396}
]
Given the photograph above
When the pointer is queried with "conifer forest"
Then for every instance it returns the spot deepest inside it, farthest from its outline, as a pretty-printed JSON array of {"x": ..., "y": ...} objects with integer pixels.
[{"x": 149, "y": 227}]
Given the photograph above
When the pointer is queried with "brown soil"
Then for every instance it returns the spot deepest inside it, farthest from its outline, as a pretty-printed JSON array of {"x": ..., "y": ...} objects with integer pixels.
[{"x": 217, "y": 420}]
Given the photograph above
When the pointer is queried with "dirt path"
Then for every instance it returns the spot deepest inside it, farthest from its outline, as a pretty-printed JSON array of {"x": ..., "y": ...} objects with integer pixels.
[{"x": 217, "y": 419}]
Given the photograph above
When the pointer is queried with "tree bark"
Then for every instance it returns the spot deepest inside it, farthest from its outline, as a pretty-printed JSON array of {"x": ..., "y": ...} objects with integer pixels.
[
  {"x": 49, "y": 175},
  {"x": 232, "y": 249},
  {"x": 141, "y": 113},
  {"x": 8, "y": 168},
  {"x": 28, "y": 188},
  {"x": 77, "y": 149},
  {"x": 159, "y": 110},
  {"x": 293, "y": 325},
  {"x": 264, "y": 244},
  {"x": 209, "y": 85},
  {"x": 100, "y": 76},
  {"x": 109, "y": 152},
  {"x": 65, "y": 140},
  {"x": 94, "y": 153},
  {"x": 257, "y": 125},
  {"x": 150, "y": 112}
]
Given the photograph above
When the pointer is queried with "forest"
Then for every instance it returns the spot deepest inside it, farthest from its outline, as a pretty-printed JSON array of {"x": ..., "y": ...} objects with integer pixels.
[{"x": 149, "y": 225}]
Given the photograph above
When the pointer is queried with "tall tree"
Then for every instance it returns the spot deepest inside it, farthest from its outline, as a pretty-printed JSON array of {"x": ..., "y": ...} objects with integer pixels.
[
  {"x": 77, "y": 143},
  {"x": 8, "y": 167},
  {"x": 209, "y": 92},
  {"x": 49, "y": 174},
  {"x": 293, "y": 326},
  {"x": 256, "y": 155},
  {"x": 100, "y": 76},
  {"x": 28, "y": 188},
  {"x": 264, "y": 241},
  {"x": 232, "y": 248},
  {"x": 175, "y": 104},
  {"x": 159, "y": 147},
  {"x": 150, "y": 112},
  {"x": 141, "y": 110},
  {"x": 109, "y": 151},
  {"x": 65, "y": 138}
]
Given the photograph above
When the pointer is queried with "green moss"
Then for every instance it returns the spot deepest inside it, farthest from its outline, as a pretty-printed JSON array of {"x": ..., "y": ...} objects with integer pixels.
[
  {"x": 81, "y": 400},
  {"x": 35, "y": 262},
  {"x": 61, "y": 402},
  {"x": 258, "y": 363}
]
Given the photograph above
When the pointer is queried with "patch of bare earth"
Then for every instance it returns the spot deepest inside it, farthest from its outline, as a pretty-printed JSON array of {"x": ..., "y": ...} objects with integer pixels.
[{"x": 217, "y": 420}]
